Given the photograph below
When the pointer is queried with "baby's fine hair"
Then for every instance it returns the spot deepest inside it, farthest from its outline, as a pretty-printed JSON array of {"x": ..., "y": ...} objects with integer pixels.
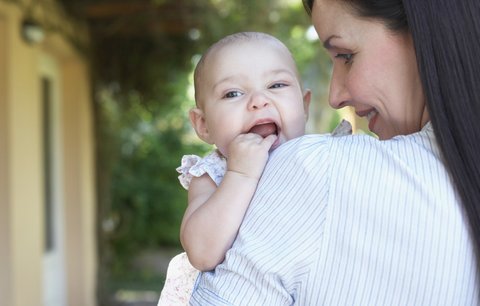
[{"x": 227, "y": 41}]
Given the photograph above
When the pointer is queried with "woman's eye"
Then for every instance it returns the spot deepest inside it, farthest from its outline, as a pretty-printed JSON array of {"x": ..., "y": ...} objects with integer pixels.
[
  {"x": 232, "y": 94},
  {"x": 278, "y": 85},
  {"x": 345, "y": 56}
]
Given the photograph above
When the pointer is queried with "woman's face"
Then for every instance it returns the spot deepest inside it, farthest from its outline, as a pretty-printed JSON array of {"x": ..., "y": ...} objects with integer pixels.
[{"x": 374, "y": 70}]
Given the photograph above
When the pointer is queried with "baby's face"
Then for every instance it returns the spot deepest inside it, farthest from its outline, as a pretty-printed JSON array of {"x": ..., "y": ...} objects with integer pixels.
[{"x": 252, "y": 87}]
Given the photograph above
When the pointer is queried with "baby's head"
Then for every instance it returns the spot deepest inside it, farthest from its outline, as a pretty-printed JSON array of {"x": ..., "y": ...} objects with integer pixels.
[{"x": 248, "y": 83}]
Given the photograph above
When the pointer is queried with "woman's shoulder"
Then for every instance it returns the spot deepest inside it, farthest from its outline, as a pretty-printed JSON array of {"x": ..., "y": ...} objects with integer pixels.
[
  {"x": 317, "y": 141},
  {"x": 417, "y": 149},
  {"x": 361, "y": 149}
]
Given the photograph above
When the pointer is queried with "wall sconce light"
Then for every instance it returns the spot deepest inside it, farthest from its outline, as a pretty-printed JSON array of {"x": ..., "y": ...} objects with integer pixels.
[{"x": 32, "y": 32}]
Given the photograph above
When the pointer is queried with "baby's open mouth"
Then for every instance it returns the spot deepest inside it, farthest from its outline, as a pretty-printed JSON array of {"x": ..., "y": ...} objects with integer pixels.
[{"x": 264, "y": 129}]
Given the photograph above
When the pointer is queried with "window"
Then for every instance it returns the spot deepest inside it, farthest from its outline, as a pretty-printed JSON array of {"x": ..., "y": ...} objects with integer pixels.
[{"x": 48, "y": 142}]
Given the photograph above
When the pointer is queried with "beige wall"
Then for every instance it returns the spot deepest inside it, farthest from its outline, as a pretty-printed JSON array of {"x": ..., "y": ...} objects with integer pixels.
[
  {"x": 21, "y": 168},
  {"x": 23, "y": 159},
  {"x": 5, "y": 275}
]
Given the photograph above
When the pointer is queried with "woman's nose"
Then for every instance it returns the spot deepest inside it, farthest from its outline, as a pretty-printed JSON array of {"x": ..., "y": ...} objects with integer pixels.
[
  {"x": 339, "y": 96},
  {"x": 258, "y": 100}
]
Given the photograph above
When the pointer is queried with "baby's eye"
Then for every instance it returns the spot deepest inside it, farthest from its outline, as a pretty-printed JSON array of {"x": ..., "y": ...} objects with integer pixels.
[
  {"x": 278, "y": 85},
  {"x": 345, "y": 56},
  {"x": 232, "y": 94}
]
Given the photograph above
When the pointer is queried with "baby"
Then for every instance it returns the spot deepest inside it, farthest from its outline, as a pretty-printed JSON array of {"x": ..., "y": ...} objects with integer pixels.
[{"x": 249, "y": 101}]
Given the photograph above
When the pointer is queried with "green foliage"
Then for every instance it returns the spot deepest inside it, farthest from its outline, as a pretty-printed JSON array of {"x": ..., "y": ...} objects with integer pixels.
[{"x": 146, "y": 200}]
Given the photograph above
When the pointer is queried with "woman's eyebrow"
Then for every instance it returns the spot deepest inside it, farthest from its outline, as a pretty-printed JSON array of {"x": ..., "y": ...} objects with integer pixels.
[{"x": 326, "y": 44}]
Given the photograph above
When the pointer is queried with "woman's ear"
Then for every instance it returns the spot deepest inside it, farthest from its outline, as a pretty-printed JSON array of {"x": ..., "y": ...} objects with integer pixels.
[
  {"x": 307, "y": 96},
  {"x": 197, "y": 118}
]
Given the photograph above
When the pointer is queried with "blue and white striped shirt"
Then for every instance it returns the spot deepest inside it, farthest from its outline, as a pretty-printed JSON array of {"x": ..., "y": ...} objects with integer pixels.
[{"x": 349, "y": 221}]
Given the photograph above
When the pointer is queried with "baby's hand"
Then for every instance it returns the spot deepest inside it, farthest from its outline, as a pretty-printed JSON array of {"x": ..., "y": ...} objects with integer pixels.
[{"x": 248, "y": 154}]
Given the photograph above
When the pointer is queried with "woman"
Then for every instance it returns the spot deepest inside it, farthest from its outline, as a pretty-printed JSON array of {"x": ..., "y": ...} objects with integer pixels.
[{"x": 362, "y": 221}]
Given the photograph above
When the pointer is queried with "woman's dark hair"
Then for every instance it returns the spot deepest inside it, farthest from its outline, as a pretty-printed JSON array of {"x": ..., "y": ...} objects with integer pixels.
[
  {"x": 389, "y": 11},
  {"x": 446, "y": 35}
]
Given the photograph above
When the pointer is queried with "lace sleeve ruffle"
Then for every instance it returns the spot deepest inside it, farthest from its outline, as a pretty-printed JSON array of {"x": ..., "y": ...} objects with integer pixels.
[{"x": 194, "y": 166}]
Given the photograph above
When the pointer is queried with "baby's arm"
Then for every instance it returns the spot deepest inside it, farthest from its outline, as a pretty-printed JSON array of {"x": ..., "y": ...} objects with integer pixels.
[{"x": 213, "y": 215}]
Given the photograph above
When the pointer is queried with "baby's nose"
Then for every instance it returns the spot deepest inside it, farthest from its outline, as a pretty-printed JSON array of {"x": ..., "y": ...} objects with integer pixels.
[{"x": 258, "y": 101}]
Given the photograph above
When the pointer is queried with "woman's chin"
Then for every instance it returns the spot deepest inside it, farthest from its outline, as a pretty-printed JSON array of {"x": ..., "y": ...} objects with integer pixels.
[
  {"x": 386, "y": 133},
  {"x": 383, "y": 132}
]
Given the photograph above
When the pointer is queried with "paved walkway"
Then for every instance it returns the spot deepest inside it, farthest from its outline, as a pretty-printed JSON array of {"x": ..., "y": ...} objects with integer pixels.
[{"x": 155, "y": 261}]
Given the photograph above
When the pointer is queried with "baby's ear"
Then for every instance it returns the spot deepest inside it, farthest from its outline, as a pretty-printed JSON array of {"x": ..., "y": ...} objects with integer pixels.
[
  {"x": 197, "y": 118},
  {"x": 307, "y": 97}
]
